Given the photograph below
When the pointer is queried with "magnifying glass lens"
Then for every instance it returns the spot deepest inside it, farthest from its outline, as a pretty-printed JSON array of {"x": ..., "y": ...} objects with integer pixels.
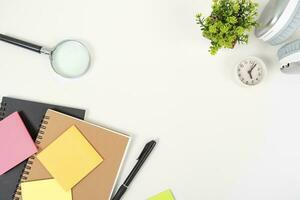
[{"x": 70, "y": 59}]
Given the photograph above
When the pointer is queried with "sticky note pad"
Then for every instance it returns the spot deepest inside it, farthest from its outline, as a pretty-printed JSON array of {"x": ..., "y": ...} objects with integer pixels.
[
  {"x": 16, "y": 144},
  {"x": 70, "y": 158},
  {"x": 166, "y": 195},
  {"x": 44, "y": 189}
]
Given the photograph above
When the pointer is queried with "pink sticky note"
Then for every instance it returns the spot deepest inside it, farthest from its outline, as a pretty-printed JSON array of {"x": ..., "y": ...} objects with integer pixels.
[{"x": 16, "y": 144}]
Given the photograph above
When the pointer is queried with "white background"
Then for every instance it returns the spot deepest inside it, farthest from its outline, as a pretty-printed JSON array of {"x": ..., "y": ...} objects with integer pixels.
[{"x": 152, "y": 77}]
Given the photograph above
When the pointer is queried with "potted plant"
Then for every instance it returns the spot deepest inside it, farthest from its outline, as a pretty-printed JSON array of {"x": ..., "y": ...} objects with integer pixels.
[{"x": 229, "y": 23}]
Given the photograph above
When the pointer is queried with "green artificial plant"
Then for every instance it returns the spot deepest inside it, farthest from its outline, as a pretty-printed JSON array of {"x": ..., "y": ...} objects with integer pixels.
[{"x": 229, "y": 23}]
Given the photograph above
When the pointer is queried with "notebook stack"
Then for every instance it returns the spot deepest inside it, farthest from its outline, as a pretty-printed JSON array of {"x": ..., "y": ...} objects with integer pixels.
[{"x": 48, "y": 152}]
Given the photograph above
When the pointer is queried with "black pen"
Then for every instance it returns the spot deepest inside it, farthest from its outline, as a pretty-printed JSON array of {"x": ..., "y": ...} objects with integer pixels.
[{"x": 141, "y": 160}]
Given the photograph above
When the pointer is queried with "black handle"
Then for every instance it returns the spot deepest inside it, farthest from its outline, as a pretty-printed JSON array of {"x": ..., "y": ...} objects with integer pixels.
[
  {"x": 21, "y": 43},
  {"x": 120, "y": 193}
]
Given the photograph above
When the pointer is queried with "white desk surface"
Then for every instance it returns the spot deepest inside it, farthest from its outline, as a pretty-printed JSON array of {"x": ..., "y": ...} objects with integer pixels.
[{"x": 152, "y": 77}]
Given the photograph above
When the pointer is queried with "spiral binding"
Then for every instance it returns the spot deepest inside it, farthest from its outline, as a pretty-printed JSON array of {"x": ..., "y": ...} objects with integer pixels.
[
  {"x": 2, "y": 110},
  {"x": 17, "y": 195}
]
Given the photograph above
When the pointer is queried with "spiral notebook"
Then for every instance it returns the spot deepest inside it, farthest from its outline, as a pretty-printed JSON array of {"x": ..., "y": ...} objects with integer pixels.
[
  {"x": 32, "y": 114},
  {"x": 111, "y": 145}
]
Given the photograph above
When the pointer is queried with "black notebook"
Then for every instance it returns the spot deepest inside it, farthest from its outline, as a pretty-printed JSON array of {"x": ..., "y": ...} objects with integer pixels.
[{"x": 32, "y": 114}]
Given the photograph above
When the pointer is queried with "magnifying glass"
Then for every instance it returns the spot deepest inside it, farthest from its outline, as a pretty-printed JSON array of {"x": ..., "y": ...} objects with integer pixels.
[{"x": 69, "y": 58}]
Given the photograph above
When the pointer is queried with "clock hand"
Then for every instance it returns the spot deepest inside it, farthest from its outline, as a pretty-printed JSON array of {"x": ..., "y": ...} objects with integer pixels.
[
  {"x": 250, "y": 71},
  {"x": 250, "y": 74},
  {"x": 253, "y": 68}
]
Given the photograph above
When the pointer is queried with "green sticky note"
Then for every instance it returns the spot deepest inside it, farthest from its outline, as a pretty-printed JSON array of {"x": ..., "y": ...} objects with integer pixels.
[{"x": 166, "y": 195}]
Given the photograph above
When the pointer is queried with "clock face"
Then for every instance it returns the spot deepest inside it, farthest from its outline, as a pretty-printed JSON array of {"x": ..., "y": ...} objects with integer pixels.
[{"x": 251, "y": 71}]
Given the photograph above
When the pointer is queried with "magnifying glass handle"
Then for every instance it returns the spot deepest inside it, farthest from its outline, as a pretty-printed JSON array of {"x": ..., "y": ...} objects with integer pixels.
[{"x": 21, "y": 43}]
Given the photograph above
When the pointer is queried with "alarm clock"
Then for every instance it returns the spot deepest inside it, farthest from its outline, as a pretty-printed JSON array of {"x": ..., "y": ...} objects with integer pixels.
[{"x": 250, "y": 71}]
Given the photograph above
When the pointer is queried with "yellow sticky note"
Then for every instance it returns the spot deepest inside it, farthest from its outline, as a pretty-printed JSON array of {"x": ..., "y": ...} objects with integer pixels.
[
  {"x": 44, "y": 189},
  {"x": 166, "y": 195},
  {"x": 70, "y": 158}
]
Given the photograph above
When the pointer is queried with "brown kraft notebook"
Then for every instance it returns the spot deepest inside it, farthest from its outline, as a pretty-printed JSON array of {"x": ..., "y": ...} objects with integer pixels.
[{"x": 111, "y": 145}]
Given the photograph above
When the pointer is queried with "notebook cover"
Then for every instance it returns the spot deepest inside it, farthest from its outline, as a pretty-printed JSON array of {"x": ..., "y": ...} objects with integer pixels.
[
  {"x": 16, "y": 145},
  {"x": 32, "y": 114},
  {"x": 111, "y": 145}
]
